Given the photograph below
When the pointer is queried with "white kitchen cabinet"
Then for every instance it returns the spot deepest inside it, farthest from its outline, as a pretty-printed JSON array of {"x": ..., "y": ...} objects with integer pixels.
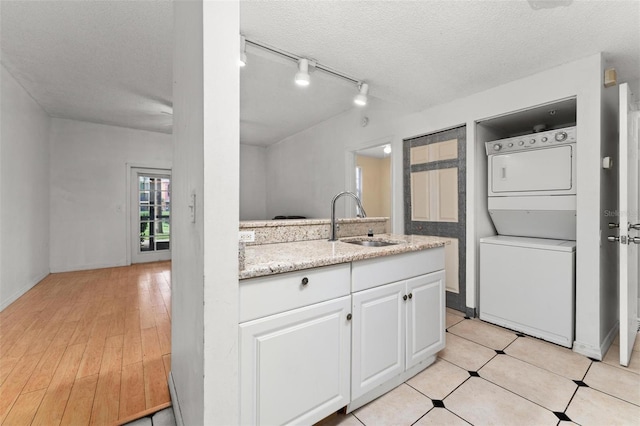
[
  {"x": 294, "y": 366},
  {"x": 398, "y": 327},
  {"x": 378, "y": 337},
  {"x": 425, "y": 317}
]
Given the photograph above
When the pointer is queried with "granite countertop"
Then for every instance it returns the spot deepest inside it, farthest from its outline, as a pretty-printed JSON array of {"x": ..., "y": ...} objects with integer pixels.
[
  {"x": 269, "y": 259},
  {"x": 306, "y": 222}
]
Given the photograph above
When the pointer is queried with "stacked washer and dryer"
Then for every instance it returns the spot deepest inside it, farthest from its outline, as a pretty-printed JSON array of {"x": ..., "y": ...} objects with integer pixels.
[{"x": 527, "y": 272}]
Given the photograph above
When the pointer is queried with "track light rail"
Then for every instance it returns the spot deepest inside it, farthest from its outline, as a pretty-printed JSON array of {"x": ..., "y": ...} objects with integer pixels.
[{"x": 296, "y": 58}]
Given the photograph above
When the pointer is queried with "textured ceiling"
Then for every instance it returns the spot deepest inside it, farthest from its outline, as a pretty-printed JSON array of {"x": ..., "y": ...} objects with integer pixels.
[
  {"x": 111, "y": 62},
  {"x": 108, "y": 62}
]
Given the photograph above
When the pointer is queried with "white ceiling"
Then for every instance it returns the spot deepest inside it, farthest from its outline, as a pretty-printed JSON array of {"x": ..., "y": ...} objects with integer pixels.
[{"x": 111, "y": 62}]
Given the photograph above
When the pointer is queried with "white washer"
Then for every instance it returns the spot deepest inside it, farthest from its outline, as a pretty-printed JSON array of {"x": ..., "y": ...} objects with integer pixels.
[{"x": 528, "y": 285}]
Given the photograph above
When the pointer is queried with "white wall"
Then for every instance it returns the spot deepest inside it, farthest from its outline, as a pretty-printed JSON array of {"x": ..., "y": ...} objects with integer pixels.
[
  {"x": 253, "y": 183},
  {"x": 89, "y": 190},
  {"x": 204, "y": 379},
  {"x": 308, "y": 168},
  {"x": 24, "y": 191}
]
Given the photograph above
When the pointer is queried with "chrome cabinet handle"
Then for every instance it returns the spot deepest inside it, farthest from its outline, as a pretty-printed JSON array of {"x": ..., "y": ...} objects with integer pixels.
[
  {"x": 634, "y": 226},
  {"x": 613, "y": 239},
  {"x": 634, "y": 240},
  {"x": 613, "y": 225}
]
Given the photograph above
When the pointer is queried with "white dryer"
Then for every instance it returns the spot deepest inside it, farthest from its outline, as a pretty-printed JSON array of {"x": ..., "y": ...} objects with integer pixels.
[{"x": 532, "y": 184}]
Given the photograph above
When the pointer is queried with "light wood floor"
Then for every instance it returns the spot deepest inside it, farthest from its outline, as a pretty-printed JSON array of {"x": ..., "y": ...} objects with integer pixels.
[{"x": 87, "y": 347}]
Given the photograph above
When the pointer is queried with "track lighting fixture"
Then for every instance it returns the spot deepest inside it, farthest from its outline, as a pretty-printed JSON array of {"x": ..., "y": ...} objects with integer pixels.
[
  {"x": 361, "y": 97},
  {"x": 302, "y": 76},
  {"x": 305, "y": 66},
  {"x": 243, "y": 52}
]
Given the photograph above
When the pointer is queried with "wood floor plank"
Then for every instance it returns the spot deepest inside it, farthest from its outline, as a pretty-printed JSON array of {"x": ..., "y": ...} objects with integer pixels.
[
  {"x": 147, "y": 318},
  {"x": 43, "y": 373},
  {"x": 166, "y": 360},
  {"x": 6, "y": 366},
  {"x": 12, "y": 387},
  {"x": 80, "y": 403},
  {"x": 92, "y": 357},
  {"x": 108, "y": 387},
  {"x": 63, "y": 337},
  {"x": 87, "y": 323},
  {"x": 117, "y": 325},
  {"x": 132, "y": 349},
  {"x": 132, "y": 399},
  {"x": 150, "y": 344},
  {"x": 155, "y": 385},
  {"x": 24, "y": 408},
  {"x": 55, "y": 399},
  {"x": 156, "y": 389}
]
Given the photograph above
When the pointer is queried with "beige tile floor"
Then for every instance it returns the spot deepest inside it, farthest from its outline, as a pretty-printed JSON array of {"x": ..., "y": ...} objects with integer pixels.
[{"x": 488, "y": 375}]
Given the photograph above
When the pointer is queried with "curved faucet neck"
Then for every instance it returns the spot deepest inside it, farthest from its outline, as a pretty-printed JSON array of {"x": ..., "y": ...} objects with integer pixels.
[{"x": 333, "y": 211}]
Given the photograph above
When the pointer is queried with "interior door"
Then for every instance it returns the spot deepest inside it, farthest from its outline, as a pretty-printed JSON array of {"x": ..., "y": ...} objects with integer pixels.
[
  {"x": 434, "y": 171},
  {"x": 629, "y": 224}
]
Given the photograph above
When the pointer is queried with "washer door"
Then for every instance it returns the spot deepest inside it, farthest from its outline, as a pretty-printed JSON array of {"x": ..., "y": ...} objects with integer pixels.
[{"x": 532, "y": 171}]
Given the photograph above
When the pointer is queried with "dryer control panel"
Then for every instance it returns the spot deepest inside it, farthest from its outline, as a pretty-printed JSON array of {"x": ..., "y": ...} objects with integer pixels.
[{"x": 532, "y": 141}]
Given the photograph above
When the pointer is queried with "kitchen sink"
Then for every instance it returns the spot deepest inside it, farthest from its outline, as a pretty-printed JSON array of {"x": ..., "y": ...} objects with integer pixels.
[{"x": 372, "y": 243}]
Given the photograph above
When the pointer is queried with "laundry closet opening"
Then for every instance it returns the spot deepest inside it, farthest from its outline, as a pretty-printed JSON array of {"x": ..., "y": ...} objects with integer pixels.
[{"x": 526, "y": 224}]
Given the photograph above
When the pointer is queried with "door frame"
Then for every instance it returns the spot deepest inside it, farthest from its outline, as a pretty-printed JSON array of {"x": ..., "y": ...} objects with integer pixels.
[
  {"x": 129, "y": 167},
  {"x": 411, "y": 227}
]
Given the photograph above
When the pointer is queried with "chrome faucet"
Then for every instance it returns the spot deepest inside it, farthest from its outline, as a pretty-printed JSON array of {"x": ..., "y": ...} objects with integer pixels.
[{"x": 333, "y": 211}]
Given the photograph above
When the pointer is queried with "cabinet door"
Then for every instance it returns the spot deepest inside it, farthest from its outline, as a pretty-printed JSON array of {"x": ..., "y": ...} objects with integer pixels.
[
  {"x": 425, "y": 317},
  {"x": 378, "y": 337},
  {"x": 294, "y": 366}
]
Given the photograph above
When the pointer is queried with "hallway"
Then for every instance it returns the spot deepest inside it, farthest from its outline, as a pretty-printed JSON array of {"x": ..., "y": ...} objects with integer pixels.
[{"x": 87, "y": 347}]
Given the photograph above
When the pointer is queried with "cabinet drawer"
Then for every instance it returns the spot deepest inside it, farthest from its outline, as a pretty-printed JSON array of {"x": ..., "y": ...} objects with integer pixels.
[
  {"x": 264, "y": 296},
  {"x": 383, "y": 270}
]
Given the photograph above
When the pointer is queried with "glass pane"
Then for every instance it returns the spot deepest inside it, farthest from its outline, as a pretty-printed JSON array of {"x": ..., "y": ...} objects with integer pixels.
[
  {"x": 155, "y": 211},
  {"x": 434, "y": 195},
  {"x": 146, "y": 244},
  {"x": 447, "y": 150}
]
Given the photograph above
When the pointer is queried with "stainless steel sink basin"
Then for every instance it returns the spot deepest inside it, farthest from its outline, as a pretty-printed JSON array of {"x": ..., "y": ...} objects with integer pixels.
[{"x": 372, "y": 243}]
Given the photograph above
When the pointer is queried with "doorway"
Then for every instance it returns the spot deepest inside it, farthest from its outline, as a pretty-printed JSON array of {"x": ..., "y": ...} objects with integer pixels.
[
  {"x": 434, "y": 174},
  {"x": 150, "y": 215},
  {"x": 373, "y": 180}
]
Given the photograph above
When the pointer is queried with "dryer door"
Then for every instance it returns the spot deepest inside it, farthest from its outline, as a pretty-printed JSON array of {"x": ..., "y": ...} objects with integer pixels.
[{"x": 532, "y": 171}]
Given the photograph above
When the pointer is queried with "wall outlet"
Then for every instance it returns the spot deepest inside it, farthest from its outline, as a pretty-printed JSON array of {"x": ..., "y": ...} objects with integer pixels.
[{"x": 247, "y": 236}]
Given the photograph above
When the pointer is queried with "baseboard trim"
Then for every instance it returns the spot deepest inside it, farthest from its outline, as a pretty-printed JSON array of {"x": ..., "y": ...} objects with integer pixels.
[
  {"x": 22, "y": 290},
  {"x": 55, "y": 270},
  {"x": 176, "y": 402},
  {"x": 597, "y": 352}
]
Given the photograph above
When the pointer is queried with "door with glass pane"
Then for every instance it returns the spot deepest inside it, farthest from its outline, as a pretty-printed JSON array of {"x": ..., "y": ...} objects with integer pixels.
[
  {"x": 150, "y": 215},
  {"x": 434, "y": 200}
]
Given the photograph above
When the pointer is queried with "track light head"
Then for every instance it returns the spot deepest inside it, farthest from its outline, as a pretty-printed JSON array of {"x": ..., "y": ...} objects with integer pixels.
[
  {"x": 361, "y": 97},
  {"x": 302, "y": 76}
]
